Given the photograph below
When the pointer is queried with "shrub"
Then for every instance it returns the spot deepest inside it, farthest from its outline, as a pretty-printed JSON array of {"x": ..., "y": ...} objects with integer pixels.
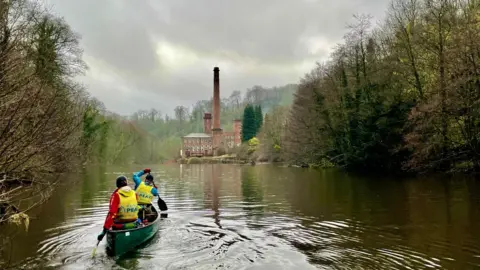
[{"x": 194, "y": 160}]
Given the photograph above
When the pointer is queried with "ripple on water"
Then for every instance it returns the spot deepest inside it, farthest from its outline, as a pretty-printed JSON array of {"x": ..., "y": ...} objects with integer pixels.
[
  {"x": 202, "y": 244},
  {"x": 197, "y": 239}
]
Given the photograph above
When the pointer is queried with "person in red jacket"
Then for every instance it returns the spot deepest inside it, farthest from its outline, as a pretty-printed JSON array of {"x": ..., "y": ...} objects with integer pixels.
[{"x": 123, "y": 207}]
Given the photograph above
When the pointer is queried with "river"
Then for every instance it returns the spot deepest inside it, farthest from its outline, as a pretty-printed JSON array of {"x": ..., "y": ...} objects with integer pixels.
[{"x": 263, "y": 217}]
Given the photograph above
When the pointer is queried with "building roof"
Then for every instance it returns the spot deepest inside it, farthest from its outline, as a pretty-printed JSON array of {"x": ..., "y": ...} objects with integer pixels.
[{"x": 197, "y": 135}]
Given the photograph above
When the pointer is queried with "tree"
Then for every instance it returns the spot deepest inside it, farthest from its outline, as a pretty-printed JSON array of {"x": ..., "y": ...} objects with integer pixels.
[
  {"x": 305, "y": 140},
  {"x": 272, "y": 133},
  {"x": 48, "y": 123},
  {"x": 255, "y": 95},
  {"x": 93, "y": 127},
  {"x": 258, "y": 118},
  {"x": 181, "y": 113},
  {"x": 249, "y": 125},
  {"x": 234, "y": 99}
]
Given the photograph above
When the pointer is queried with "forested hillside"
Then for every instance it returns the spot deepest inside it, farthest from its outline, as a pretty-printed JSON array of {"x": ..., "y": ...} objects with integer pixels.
[
  {"x": 161, "y": 138},
  {"x": 404, "y": 95}
]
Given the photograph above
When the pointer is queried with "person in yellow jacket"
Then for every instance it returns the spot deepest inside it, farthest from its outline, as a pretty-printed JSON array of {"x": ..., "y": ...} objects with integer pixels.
[
  {"x": 123, "y": 208},
  {"x": 145, "y": 191}
]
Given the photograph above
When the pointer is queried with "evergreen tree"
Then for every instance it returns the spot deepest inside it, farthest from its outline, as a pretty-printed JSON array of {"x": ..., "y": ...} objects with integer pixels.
[
  {"x": 249, "y": 125},
  {"x": 258, "y": 118}
]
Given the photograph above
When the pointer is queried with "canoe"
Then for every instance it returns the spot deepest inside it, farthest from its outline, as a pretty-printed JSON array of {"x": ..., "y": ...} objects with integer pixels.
[{"x": 122, "y": 241}]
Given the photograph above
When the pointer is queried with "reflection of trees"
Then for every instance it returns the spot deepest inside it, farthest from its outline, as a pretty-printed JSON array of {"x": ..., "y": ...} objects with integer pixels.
[
  {"x": 429, "y": 216},
  {"x": 252, "y": 191},
  {"x": 331, "y": 194},
  {"x": 184, "y": 183},
  {"x": 94, "y": 179},
  {"x": 182, "y": 172},
  {"x": 180, "y": 176},
  {"x": 47, "y": 216},
  {"x": 380, "y": 201},
  {"x": 441, "y": 220}
]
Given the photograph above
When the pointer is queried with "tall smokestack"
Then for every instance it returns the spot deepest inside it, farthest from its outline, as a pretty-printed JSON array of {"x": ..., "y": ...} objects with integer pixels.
[
  {"x": 216, "y": 98},
  {"x": 207, "y": 123}
]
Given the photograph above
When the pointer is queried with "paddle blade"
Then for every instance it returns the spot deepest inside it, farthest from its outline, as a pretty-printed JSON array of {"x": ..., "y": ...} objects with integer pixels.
[
  {"x": 95, "y": 249},
  {"x": 162, "y": 205}
]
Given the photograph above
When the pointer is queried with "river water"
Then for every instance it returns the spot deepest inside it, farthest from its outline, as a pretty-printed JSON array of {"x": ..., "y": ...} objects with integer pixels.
[{"x": 263, "y": 217}]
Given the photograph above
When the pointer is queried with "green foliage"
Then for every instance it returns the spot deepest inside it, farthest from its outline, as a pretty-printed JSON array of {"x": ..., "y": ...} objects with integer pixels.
[
  {"x": 20, "y": 219},
  {"x": 400, "y": 98},
  {"x": 194, "y": 160},
  {"x": 253, "y": 142},
  {"x": 258, "y": 118},
  {"x": 249, "y": 123},
  {"x": 95, "y": 130},
  {"x": 272, "y": 132},
  {"x": 253, "y": 145}
]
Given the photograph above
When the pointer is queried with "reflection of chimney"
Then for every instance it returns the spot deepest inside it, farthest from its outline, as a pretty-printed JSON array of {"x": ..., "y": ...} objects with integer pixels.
[
  {"x": 216, "y": 98},
  {"x": 207, "y": 123}
]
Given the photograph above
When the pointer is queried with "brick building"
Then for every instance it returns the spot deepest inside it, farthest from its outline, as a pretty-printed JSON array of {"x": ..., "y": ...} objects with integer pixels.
[{"x": 213, "y": 137}]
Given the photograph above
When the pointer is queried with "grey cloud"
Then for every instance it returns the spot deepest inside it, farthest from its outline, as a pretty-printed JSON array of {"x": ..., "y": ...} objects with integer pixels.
[
  {"x": 114, "y": 31},
  {"x": 268, "y": 30},
  {"x": 122, "y": 34}
]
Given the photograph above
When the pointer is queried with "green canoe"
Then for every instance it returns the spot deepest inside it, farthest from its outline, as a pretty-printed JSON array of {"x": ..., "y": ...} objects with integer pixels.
[{"x": 122, "y": 241}]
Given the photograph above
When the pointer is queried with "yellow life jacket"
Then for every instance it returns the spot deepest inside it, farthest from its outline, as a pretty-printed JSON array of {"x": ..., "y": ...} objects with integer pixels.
[
  {"x": 128, "y": 209},
  {"x": 144, "y": 192}
]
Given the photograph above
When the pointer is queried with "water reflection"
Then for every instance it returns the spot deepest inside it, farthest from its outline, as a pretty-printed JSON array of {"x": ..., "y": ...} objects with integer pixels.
[
  {"x": 252, "y": 193},
  {"x": 212, "y": 190},
  {"x": 265, "y": 217}
]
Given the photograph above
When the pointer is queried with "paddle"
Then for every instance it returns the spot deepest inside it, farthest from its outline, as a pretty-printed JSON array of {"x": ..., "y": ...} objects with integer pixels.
[
  {"x": 95, "y": 249},
  {"x": 161, "y": 203}
]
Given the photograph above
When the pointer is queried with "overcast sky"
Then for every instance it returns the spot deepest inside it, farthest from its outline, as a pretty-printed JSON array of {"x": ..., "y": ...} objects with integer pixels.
[{"x": 146, "y": 54}]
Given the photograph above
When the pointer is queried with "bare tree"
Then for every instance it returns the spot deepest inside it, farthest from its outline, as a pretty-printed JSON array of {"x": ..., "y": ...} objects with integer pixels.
[
  {"x": 235, "y": 99},
  {"x": 181, "y": 113},
  {"x": 41, "y": 108}
]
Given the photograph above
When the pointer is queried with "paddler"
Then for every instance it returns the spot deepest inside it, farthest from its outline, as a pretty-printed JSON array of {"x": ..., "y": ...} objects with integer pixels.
[
  {"x": 145, "y": 191},
  {"x": 123, "y": 210}
]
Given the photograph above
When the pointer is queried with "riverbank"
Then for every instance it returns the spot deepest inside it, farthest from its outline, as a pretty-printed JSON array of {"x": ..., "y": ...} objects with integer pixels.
[
  {"x": 224, "y": 159},
  {"x": 234, "y": 159}
]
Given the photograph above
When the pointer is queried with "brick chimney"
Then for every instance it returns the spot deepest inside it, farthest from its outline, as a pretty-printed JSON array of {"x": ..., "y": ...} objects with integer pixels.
[
  {"x": 207, "y": 123},
  {"x": 216, "y": 98}
]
